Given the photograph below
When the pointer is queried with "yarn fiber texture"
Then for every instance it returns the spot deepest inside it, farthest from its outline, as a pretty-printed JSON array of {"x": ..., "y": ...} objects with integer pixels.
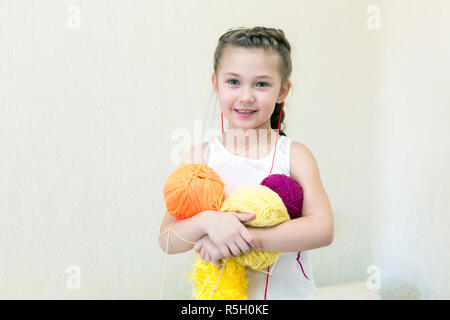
[
  {"x": 270, "y": 211},
  {"x": 289, "y": 190},
  {"x": 232, "y": 284},
  {"x": 191, "y": 189}
]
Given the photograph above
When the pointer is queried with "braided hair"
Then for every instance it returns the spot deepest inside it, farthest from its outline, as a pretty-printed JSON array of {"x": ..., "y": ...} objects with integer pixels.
[{"x": 269, "y": 39}]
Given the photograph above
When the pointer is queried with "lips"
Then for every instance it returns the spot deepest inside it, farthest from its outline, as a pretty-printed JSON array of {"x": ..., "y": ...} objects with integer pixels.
[
  {"x": 246, "y": 110},
  {"x": 245, "y": 115}
]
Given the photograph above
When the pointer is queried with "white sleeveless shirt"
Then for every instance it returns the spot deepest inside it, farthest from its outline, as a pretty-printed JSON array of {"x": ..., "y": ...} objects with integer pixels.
[{"x": 291, "y": 277}]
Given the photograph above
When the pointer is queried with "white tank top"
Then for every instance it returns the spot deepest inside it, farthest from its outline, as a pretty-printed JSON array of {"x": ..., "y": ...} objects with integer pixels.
[{"x": 291, "y": 276}]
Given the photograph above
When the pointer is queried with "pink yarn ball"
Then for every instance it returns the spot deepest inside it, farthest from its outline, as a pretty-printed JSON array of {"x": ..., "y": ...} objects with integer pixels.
[{"x": 289, "y": 191}]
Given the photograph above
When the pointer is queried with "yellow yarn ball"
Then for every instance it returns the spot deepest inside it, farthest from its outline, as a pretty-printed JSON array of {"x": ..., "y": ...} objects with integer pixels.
[
  {"x": 232, "y": 284},
  {"x": 270, "y": 211},
  {"x": 258, "y": 259}
]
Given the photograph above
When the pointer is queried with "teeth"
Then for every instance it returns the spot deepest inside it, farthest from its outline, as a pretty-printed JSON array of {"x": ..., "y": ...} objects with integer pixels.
[{"x": 245, "y": 111}]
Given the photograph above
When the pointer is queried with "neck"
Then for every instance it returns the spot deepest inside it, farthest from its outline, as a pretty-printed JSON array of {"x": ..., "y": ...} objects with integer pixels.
[
  {"x": 238, "y": 138},
  {"x": 242, "y": 133}
]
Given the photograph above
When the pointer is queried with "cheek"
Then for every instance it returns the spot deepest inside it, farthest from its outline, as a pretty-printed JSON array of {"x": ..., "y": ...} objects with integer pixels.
[
  {"x": 270, "y": 96},
  {"x": 227, "y": 99},
  {"x": 267, "y": 101}
]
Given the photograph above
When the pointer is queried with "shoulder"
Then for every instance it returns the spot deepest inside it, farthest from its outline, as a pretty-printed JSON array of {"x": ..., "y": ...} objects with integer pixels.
[
  {"x": 303, "y": 164},
  {"x": 305, "y": 171},
  {"x": 197, "y": 154}
]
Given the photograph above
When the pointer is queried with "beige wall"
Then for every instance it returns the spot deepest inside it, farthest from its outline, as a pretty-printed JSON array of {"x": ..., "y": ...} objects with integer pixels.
[
  {"x": 87, "y": 117},
  {"x": 411, "y": 146}
]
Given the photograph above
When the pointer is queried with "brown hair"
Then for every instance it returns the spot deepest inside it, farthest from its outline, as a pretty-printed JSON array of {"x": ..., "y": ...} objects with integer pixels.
[{"x": 268, "y": 39}]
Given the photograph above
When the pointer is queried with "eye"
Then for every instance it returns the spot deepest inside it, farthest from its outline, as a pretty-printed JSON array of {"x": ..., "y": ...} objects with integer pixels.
[
  {"x": 231, "y": 80},
  {"x": 266, "y": 84}
]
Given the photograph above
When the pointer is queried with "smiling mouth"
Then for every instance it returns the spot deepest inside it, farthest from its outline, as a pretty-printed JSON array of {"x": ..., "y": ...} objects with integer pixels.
[{"x": 245, "y": 111}]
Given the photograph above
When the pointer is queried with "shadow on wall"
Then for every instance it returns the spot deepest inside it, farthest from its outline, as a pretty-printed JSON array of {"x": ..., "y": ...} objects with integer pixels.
[{"x": 400, "y": 290}]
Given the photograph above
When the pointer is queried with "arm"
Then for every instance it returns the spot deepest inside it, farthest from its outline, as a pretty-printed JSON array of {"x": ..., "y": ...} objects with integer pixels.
[
  {"x": 224, "y": 229},
  {"x": 180, "y": 235},
  {"x": 315, "y": 228},
  {"x": 188, "y": 230}
]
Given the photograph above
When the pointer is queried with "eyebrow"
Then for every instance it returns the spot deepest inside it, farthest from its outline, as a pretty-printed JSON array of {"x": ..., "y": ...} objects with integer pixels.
[{"x": 258, "y": 77}]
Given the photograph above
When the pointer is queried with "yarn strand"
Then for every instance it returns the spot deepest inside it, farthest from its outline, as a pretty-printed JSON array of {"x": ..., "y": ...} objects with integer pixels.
[
  {"x": 163, "y": 276},
  {"x": 223, "y": 266},
  {"x": 245, "y": 148},
  {"x": 273, "y": 161},
  {"x": 181, "y": 238},
  {"x": 207, "y": 111},
  {"x": 267, "y": 282}
]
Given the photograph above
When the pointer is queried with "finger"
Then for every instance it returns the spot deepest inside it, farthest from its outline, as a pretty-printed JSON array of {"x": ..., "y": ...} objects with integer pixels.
[
  {"x": 203, "y": 255},
  {"x": 244, "y": 217},
  {"x": 209, "y": 258},
  {"x": 215, "y": 260},
  {"x": 242, "y": 245},
  {"x": 198, "y": 245},
  {"x": 250, "y": 239},
  {"x": 234, "y": 249},
  {"x": 225, "y": 251},
  {"x": 210, "y": 252},
  {"x": 217, "y": 254}
]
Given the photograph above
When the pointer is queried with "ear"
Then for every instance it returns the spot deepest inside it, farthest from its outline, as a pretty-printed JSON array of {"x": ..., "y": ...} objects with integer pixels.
[
  {"x": 284, "y": 91},
  {"x": 213, "y": 80}
]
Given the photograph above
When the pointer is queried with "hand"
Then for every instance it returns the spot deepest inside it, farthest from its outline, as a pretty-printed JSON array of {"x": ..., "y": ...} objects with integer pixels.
[
  {"x": 208, "y": 251},
  {"x": 228, "y": 234}
]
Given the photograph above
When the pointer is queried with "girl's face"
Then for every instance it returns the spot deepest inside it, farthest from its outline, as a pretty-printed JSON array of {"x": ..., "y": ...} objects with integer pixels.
[{"x": 249, "y": 79}]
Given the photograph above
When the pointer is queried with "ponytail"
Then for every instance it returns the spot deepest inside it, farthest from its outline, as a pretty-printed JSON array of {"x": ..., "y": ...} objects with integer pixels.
[{"x": 275, "y": 118}]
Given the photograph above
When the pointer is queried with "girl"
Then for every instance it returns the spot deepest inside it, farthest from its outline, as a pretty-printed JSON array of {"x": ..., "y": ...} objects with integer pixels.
[{"x": 251, "y": 80}]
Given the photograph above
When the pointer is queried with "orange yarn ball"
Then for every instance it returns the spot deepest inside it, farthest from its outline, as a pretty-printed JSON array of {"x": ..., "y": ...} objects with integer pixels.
[{"x": 193, "y": 188}]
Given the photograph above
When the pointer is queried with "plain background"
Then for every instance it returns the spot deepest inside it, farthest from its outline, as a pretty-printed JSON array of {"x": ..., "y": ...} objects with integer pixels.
[{"x": 88, "y": 113}]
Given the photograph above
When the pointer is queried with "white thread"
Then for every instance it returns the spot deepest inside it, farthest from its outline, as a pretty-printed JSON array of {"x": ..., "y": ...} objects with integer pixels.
[
  {"x": 207, "y": 112},
  {"x": 165, "y": 262},
  {"x": 214, "y": 114},
  {"x": 223, "y": 266}
]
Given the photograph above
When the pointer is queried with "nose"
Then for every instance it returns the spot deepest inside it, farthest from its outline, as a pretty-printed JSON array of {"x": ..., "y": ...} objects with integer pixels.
[{"x": 246, "y": 97}]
